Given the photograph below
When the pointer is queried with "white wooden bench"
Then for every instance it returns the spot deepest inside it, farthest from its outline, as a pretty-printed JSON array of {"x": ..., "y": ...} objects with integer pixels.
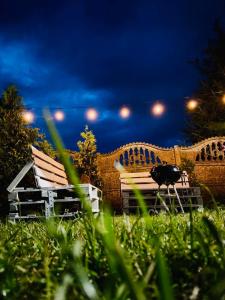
[
  {"x": 149, "y": 189},
  {"x": 51, "y": 191}
]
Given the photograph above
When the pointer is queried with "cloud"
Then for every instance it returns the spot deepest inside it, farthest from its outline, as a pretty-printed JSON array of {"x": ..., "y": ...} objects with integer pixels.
[{"x": 104, "y": 54}]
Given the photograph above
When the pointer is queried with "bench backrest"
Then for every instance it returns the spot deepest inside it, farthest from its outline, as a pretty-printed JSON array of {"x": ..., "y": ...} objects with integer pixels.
[
  {"x": 48, "y": 172},
  {"x": 143, "y": 181}
]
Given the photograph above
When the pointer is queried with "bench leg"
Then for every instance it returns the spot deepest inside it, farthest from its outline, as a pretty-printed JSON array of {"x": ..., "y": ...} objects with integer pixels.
[
  {"x": 178, "y": 198},
  {"x": 199, "y": 199},
  {"x": 125, "y": 197},
  {"x": 13, "y": 199},
  {"x": 49, "y": 204}
]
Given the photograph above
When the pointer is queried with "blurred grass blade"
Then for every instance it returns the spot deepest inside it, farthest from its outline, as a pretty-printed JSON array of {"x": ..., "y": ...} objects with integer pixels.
[
  {"x": 137, "y": 192},
  {"x": 119, "y": 265},
  {"x": 214, "y": 233},
  {"x": 158, "y": 196},
  {"x": 191, "y": 228},
  {"x": 207, "y": 189},
  {"x": 62, "y": 289},
  {"x": 88, "y": 287},
  {"x": 70, "y": 170},
  {"x": 166, "y": 291},
  {"x": 204, "y": 245}
]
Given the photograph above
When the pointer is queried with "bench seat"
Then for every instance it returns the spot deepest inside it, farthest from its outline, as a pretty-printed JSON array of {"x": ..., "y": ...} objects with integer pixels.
[{"x": 189, "y": 196}]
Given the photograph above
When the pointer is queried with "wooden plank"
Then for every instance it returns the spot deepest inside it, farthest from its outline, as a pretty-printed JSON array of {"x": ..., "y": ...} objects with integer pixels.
[
  {"x": 30, "y": 202},
  {"x": 48, "y": 167},
  {"x": 67, "y": 200},
  {"x": 150, "y": 197},
  {"x": 150, "y": 186},
  {"x": 146, "y": 180},
  {"x": 137, "y": 180},
  {"x": 41, "y": 183},
  {"x": 162, "y": 206},
  {"x": 142, "y": 175},
  {"x": 19, "y": 177},
  {"x": 49, "y": 176},
  {"x": 135, "y": 175},
  {"x": 127, "y": 187},
  {"x": 46, "y": 158},
  {"x": 26, "y": 217}
]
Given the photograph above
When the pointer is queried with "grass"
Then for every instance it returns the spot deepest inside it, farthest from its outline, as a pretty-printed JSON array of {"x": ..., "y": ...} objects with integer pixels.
[{"x": 156, "y": 257}]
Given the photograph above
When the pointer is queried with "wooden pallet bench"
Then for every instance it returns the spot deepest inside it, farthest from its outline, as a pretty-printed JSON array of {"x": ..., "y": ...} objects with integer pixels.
[
  {"x": 189, "y": 196},
  {"x": 51, "y": 195}
]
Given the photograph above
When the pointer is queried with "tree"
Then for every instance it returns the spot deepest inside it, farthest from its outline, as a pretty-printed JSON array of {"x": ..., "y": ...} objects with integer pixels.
[
  {"x": 86, "y": 160},
  {"x": 44, "y": 145},
  {"x": 16, "y": 137},
  {"x": 208, "y": 118},
  {"x": 189, "y": 166}
]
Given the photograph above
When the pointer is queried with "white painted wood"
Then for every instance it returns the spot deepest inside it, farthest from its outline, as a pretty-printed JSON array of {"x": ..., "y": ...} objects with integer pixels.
[
  {"x": 20, "y": 176},
  {"x": 41, "y": 183},
  {"x": 95, "y": 206}
]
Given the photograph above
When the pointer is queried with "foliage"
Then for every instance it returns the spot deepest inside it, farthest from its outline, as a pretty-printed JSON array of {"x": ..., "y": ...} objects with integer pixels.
[
  {"x": 189, "y": 166},
  {"x": 208, "y": 118},
  {"x": 86, "y": 160},
  {"x": 15, "y": 138},
  {"x": 42, "y": 144}
]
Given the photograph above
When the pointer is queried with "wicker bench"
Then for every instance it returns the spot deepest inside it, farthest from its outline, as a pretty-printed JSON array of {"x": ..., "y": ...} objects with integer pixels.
[
  {"x": 51, "y": 193},
  {"x": 149, "y": 190}
]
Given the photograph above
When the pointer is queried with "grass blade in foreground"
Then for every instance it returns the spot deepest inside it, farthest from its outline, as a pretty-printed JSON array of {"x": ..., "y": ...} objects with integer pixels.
[
  {"x": 166, "y": 292},
  {"x": 136, "y": 191},
  {"x": 117, "y": 260},
  {"x": 66, "y": 161}
]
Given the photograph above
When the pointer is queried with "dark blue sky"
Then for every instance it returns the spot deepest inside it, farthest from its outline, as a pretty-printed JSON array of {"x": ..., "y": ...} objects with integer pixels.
[{"x": 104, "y": 54}]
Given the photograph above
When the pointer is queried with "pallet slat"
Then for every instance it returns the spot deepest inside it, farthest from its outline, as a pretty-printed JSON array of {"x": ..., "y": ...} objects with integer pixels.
[
  {"x": 45, "y": 184},
  {"x": 48, "y": 167},
  {"x": 46, "y": 158},
  {"x": 49, "y": 176},
  {"x": 162, "y": 206},
  {"x": 149, "y": 186},
  {"x": 135, "y": 175}
]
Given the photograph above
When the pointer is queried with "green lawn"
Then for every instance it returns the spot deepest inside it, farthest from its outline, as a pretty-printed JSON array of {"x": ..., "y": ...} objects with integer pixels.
[{"x": 165, "y": 256}]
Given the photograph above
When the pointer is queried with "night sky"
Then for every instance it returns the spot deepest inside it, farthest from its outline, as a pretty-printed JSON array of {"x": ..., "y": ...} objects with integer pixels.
[{"x": 104, "y": 54}]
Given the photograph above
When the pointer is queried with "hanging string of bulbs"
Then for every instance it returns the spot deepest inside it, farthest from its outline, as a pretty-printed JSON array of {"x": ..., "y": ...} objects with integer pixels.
[{"x": 91, "y": 114}]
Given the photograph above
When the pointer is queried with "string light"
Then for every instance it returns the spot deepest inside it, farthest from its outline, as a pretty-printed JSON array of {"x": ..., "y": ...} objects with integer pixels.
[
  {"x": 91, "y": 114},
  {"x": 192, "y": 104},
  {"x": 59, "y": 115},
  {"x": 28, "y": 117},
  {"x": 223, "y": 99},
  {"x": 124, "y": 112},
  {"x": 158, "y": 109}
]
